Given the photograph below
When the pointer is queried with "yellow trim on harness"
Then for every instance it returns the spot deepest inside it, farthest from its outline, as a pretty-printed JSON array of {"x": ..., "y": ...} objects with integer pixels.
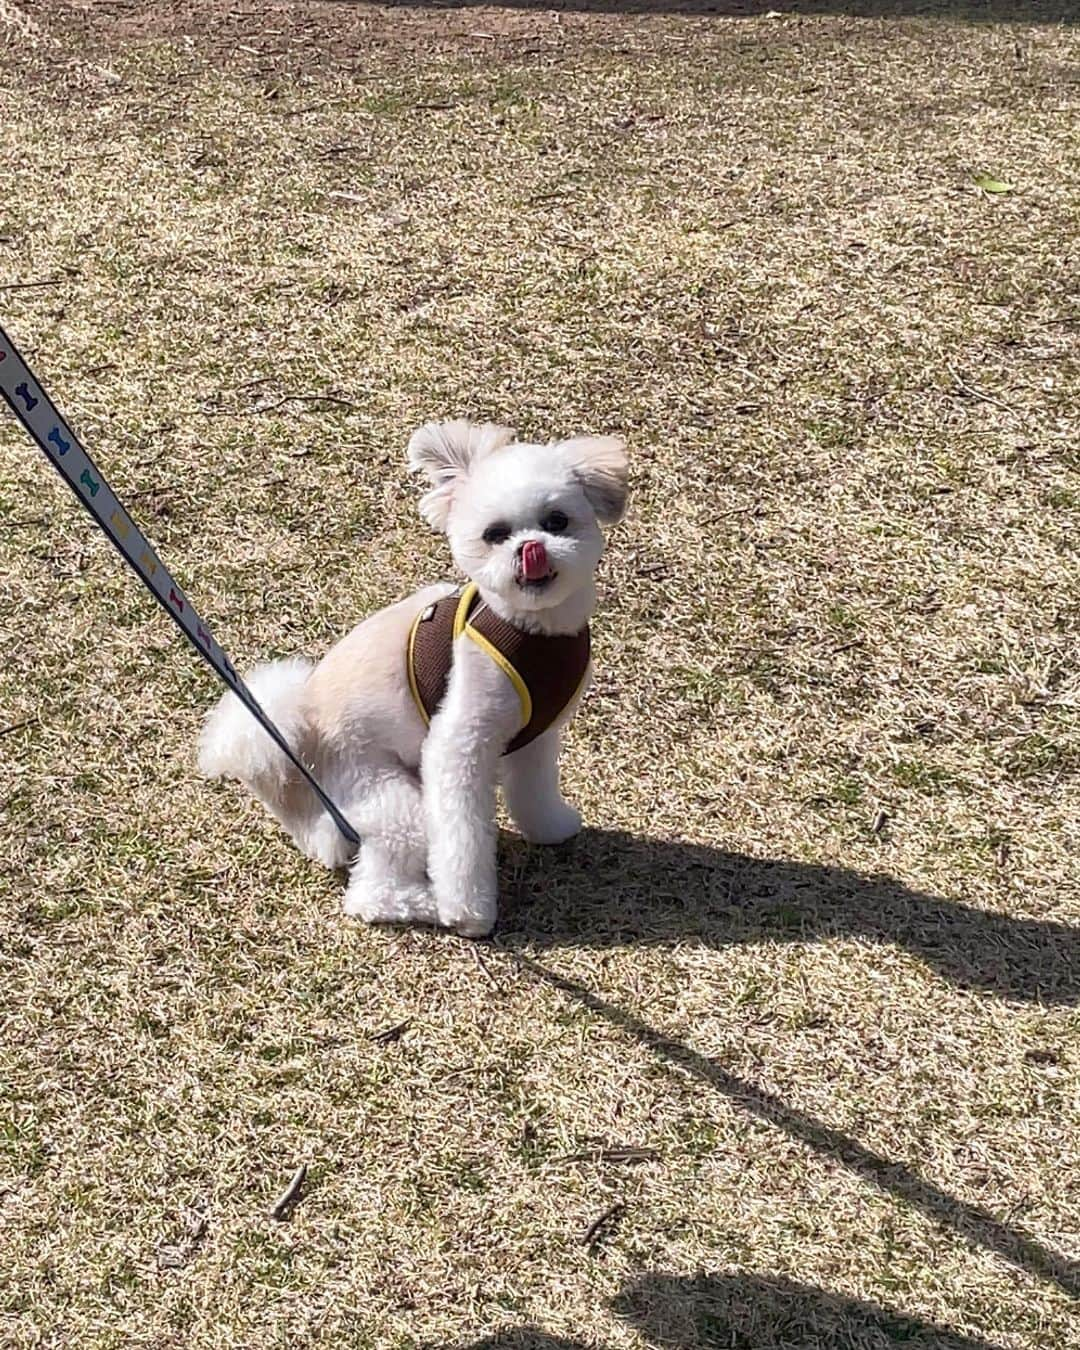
[
  {"x": 461, "y": 614},
  {"x": 462, "y": 625},
  {"x": 410, "y": 668},
  {"x": 507, "y": 669}
]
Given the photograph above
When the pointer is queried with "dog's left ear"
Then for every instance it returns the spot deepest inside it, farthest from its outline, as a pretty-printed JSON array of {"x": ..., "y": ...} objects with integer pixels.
[
  {"x": 599, "y": 465},
  {"x": 445, "y": 451}
]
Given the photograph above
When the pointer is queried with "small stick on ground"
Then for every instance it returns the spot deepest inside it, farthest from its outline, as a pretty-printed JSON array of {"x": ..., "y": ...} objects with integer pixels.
[
  {"x": 609, "y": 1217},
  {"x": 393, "y": 1033},
  {"x": 314, "y": 107},
  {"x": 335, "y": 399},
  {"x": 31, "y": 285},
  {"x": 624, "y": 1154},
  {"x": 290, "y": 1196},
  {"x": 979, "y": 394},
  {"x": 484, "y": 967},
  {"x": 18, "y": 726},
  {"x": 346, "y": 148}
]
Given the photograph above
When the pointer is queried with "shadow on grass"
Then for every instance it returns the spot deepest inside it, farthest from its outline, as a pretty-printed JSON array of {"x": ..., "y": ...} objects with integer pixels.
[
  {"x": 611, "y": 889},
  {"x": 748, "y": 1312},
  {"x": 966, "y": 11},
  {"x": 973, "y": 1224}
]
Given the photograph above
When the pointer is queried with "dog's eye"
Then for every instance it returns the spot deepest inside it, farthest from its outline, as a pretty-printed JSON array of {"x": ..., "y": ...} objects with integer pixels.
[
  {"x": 554, "y": 522},
  {"x": 496, "y": 534}
]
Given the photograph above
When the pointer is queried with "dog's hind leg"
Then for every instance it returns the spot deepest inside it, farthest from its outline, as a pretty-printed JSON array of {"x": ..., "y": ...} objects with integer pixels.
[
  {"x": 388, "y": 882},
  {"x": 323, "y": 842}
]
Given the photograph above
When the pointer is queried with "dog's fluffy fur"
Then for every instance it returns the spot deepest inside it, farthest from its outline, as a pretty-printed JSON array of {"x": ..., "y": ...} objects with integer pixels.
[{"x": 423, "y": 800}]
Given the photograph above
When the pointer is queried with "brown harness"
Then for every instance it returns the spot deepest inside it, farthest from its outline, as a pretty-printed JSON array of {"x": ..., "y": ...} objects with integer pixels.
[{"x": 547, "y": 672}]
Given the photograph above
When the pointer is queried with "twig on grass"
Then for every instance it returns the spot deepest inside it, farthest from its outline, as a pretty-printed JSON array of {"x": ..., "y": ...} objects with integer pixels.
[
  {"x": 290, "y": 1196},
  {"x": 18, "y": 726},
  {"x": 307, "y": 398},
  {"x": 335, "y": 399},
  {"x": 485, "y": 970},
  {"x": 624, "y": 1154},
  {"x": 393, "y": 1033},
  {"x": 315, "y": 107},
  {"x": 980, "y": 395},
  {"x": 346, "y": 148},
  {"x": 608, "y": 1219},
  {"x": 31, "y": 285}
]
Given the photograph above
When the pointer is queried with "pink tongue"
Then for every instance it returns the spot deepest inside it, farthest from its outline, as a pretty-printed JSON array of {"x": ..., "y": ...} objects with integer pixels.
[{"x": 534, "y": 560}]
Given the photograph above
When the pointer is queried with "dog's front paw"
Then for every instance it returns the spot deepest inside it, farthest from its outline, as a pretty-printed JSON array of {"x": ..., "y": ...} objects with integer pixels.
[
  {"x": 474, "y": 917},
  {"x": 553, "y": 827}
]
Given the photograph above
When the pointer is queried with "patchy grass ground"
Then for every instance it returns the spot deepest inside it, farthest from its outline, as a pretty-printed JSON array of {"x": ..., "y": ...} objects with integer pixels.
[{"x": 845, "y": 1057}]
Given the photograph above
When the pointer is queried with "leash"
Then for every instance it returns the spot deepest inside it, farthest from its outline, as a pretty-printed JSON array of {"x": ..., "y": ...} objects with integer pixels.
[{"x": 35, "y": 410}]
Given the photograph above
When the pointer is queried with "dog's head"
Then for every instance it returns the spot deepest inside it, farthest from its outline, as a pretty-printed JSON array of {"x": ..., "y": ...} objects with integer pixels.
[{"x": 523, "y": 520}]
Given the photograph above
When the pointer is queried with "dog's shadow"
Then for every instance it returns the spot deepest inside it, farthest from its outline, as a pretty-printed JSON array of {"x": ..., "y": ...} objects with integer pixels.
[
  {"x": 607, "y": 888},
  {"x": 749, "y": 1312}
]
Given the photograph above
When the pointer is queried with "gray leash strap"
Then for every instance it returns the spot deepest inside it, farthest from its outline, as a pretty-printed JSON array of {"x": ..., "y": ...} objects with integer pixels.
[{"x": 35, "y": 410}]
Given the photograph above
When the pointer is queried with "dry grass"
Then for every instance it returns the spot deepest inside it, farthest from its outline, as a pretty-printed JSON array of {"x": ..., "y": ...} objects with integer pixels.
[{"x": 848, "y": 585}]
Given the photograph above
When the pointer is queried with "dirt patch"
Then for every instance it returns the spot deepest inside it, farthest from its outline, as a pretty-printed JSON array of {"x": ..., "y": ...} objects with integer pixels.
[
  {"x": 315, "y": 36},
  {"x": 343, "y": 36}
]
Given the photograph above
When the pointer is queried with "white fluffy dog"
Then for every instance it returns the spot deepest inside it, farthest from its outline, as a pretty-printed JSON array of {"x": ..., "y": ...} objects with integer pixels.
[{"x": 523, "y": 525}]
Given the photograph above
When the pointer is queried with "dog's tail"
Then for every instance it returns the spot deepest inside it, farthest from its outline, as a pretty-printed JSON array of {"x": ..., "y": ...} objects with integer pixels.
[{"x": 234, "y": 745}]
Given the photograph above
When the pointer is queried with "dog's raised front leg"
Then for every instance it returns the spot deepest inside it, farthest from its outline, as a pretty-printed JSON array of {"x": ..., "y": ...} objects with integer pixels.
[
  {"x": 479, "y": 715},
  {"x": 533, "y": 798}
]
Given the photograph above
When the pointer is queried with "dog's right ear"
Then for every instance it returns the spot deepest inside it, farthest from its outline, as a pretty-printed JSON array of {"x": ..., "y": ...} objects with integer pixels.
[{"x": 445, "y": 451}]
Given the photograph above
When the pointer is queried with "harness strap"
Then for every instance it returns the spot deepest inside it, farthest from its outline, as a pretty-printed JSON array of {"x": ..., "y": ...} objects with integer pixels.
[
  {"x": 547, "y": 672},
  {"x": 35, "y": 410}
]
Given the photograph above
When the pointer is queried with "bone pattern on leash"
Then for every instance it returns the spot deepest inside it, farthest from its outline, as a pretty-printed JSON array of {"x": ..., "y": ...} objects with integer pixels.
[{"x": 62, "y": 448}]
